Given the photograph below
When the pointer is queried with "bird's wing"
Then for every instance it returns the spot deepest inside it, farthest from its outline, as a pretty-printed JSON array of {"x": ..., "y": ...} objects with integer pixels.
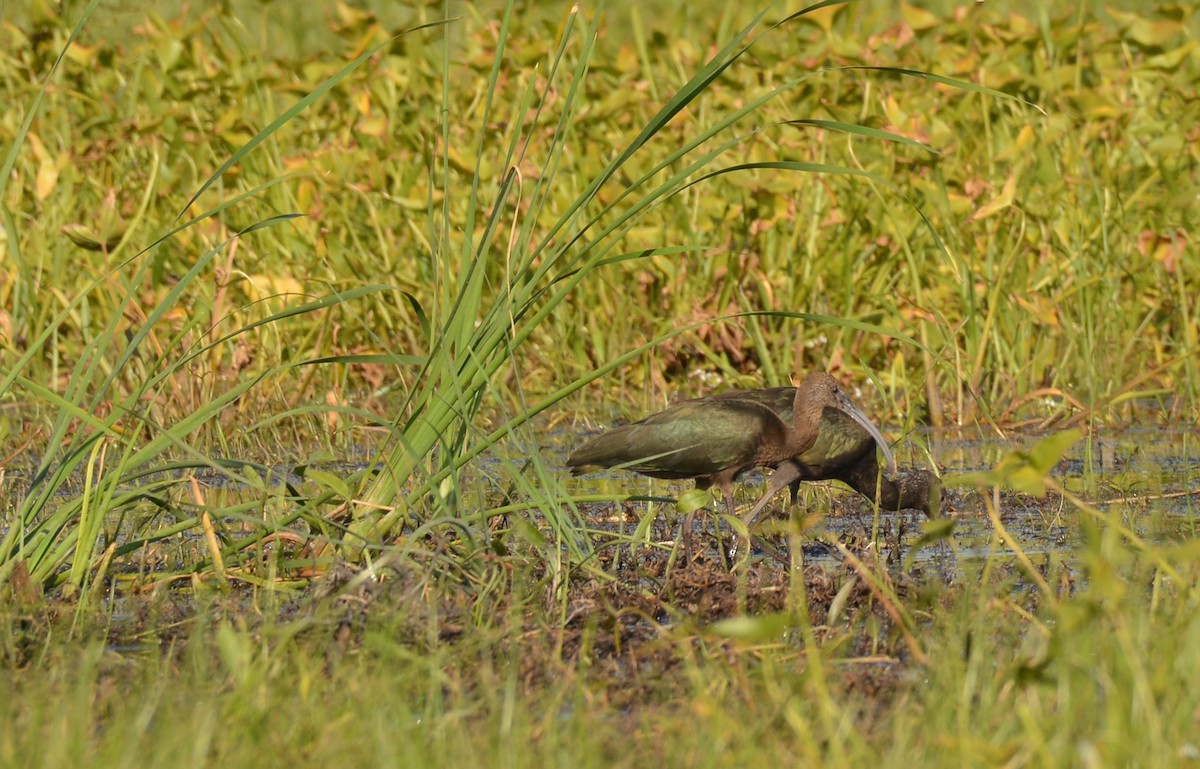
[{"x": 694, "y": 438}]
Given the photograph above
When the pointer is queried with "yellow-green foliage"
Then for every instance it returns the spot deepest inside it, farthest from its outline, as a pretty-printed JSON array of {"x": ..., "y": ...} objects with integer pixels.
[{"x": 1065, "y": 224}]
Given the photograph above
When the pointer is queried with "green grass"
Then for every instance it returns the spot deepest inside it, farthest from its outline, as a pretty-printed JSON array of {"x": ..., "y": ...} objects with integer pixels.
[
  {"x": 1098, "y": 674},
  {"x": 980, "y": 217}
]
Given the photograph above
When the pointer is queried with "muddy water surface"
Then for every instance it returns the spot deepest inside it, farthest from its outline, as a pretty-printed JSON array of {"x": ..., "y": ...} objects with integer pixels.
[{"x": 1149, "y": 476}]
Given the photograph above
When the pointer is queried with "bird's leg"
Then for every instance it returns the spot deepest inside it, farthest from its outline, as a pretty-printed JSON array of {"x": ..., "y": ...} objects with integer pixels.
[
  {"x": 786, "y": 474},
  {"x": 726, "y": 486},
  {"x": 730, "y": 508},
  {"x": 689, "y": 523}
]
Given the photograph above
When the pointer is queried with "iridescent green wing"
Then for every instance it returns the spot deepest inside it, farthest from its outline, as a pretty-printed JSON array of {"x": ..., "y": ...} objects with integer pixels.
[
  {"x": 840, "y": 442},
  {"x": 699, "y": 437}
]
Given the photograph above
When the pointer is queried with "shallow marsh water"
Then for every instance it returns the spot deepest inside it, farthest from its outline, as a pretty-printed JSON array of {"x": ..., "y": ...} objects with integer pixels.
[{"x": 1148, "y": 474}]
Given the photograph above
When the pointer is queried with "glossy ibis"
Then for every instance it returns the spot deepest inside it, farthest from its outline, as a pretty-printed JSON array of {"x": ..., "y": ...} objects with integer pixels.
[{"x": 715, "y": 439}]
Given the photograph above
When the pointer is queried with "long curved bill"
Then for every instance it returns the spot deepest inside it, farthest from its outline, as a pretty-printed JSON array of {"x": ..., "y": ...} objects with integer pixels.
[{"x": 848, "y": 408}]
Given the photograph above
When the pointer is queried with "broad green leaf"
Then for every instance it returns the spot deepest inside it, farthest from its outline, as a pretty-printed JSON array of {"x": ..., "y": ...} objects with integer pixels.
[
  {"x": 692, "y": 500},
  {"x": 1048, "y": 451}
]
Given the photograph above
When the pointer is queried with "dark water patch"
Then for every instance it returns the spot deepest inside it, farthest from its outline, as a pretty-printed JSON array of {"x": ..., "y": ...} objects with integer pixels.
[
  {"x": 1150, "y": 475},
  {"x": 1147, "y": 476}
]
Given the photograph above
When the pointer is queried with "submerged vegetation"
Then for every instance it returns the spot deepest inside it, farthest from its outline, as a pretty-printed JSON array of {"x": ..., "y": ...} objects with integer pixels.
[{"x": 299, "y": 303}]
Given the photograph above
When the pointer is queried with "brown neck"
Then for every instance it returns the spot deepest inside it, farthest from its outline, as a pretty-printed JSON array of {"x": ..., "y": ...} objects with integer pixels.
[{"x": 806, "y": 422}]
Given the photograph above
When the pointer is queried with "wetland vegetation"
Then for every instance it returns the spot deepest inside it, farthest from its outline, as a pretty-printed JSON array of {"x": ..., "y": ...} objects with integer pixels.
[{"x": 304, "y": 306}]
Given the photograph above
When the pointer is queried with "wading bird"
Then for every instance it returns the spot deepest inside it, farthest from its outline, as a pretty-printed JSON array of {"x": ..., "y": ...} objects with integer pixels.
[{"x": 714, "y": 439}]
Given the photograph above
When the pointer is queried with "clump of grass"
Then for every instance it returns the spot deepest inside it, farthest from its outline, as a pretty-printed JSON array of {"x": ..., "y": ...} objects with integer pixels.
[{"x": 101, "y": 428}]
